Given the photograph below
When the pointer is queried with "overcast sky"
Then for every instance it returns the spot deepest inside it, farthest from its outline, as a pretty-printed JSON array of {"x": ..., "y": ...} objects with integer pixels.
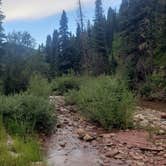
[{"x": 40, "y": 17}]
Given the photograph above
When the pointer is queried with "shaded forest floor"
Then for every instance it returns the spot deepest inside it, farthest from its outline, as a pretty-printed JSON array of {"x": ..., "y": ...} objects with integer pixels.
[{"x": 78, "y": 141}]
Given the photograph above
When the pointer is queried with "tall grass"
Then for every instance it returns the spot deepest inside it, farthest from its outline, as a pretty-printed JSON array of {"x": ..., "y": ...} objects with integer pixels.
[
  {"x": 105, "y": 100},
  {"x": 17, "y": 151}
]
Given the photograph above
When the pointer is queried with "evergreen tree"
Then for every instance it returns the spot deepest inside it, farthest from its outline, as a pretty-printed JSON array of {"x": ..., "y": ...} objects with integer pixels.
[
  {"x": 90, "y": 49},
  {"x": 55, "y": 53},
  {"x": 2, "y": 37},
  {"x": 63, "y": 33},
  {"x": 136, "y": 27},
  {"x": 48, "y": 49},
  {"x": 111, "y": 28},
  {"x": 81, "y": 20},
  {"x": 101, "y": 59},
  {"x": 78, "y": 44},
  {"x": 64, "y": 59},
  {"x": 161, "y": 30},
  {"x": 89, "y": 33}
]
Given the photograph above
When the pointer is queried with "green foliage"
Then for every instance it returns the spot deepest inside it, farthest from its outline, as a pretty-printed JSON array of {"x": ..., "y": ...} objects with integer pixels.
[
  {"x": 19, "y": 64},
  {"x": 39, "y": 86},
  {"x": 160, "y": 58},
  {"x": 105, "y": 100},
  {"x": 111, "y": 28},
  {"x": 117, "y": 45},
  {"x": 64, "y": 84},
  {"x": 23, "y": 114},
  {"x": 21, "y": 38},
  {"x": 154, "y": 87},
  {"x": 101, "y": 59},
  {"x": 19, "y": 152}
]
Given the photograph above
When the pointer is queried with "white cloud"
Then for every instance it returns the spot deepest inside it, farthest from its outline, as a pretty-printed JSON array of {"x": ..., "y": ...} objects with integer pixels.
[{"x": 35, "y": 9}]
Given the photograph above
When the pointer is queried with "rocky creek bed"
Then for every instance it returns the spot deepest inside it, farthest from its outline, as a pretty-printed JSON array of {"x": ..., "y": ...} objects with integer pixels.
[{"x": 78, "y": 142}]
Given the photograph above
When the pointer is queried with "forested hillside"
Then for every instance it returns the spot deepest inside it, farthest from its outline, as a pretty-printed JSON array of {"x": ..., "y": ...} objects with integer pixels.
[
  {"x": 102, "y": 69},
  {"x": 130, "y": 42}
]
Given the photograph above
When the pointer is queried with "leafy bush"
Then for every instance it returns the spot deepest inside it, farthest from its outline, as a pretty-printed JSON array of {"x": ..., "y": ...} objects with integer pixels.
[
  {"x": 66, "y": 83},
  {"x": 24, "y": 113},
  {"x": 39, "y": 86},
  {"x": 105, "y": 100}
]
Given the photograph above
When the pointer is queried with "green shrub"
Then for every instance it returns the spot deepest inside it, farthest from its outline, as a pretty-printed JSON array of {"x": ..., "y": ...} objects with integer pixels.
[
  {"x": 39, "y": 86},
  {"x": 105, "y": 100},
  {"x": 154, "y": 87},
  {"x": 24, "y": 113},
  {"x": 64, "y": 84},
  {"x": 146, "y": 90}
]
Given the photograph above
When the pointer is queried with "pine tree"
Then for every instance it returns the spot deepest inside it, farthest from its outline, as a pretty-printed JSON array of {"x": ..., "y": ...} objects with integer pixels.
[
  {"x": 101, "y": 59},
  {"x": 48, "y": 49},
  {"x": 89, "y": 33},
  {"x": 63, "y": 33},
  {"x": 78, "y": 44},
  {"x": 64, "y": 60},
  {"x": 136, "y": 20},
  {"x": 82, "y": 39},
  {"x": 2, "y": 37},
  {"x": 55, "y": 52},
  {"x": 161, "y": 29},
  {"x": 90, "y": 49},
  {"x": 111, "y": 28},
  {"x": 81, "y": 19}
]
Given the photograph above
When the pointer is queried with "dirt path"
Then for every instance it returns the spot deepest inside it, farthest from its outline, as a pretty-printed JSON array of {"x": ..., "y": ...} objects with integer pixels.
[
  {"x": 65, "y": 148},
  {"x": 78, "y": 142}
]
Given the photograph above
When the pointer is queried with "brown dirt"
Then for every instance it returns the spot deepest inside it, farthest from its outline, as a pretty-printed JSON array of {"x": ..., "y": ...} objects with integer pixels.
[{"x": 126, "y": 148}]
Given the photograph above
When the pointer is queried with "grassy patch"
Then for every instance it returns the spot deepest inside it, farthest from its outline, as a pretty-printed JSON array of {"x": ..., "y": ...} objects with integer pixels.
[{"x": 20, "y": 152}]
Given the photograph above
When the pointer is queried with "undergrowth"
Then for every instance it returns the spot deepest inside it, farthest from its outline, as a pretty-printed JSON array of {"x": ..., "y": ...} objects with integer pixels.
[
  {"x": 64, "y": 84},
  {"x": 105, "y": 100}
]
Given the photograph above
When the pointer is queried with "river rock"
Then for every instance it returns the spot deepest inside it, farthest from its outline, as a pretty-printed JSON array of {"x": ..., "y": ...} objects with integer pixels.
[
  {"x": 139, "y": 117},
  {"x": 81, "y": 133},
  {"x": 161, "y": 132},
  {"x": 62, "y": 144},
  {"x": 87, "y": 138},
  {"x": 139, "y": 163},
  {"x": 112, "y": 153},
  {"x": 135, "y": 156},
  {"x": 144, "y": 123}
]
